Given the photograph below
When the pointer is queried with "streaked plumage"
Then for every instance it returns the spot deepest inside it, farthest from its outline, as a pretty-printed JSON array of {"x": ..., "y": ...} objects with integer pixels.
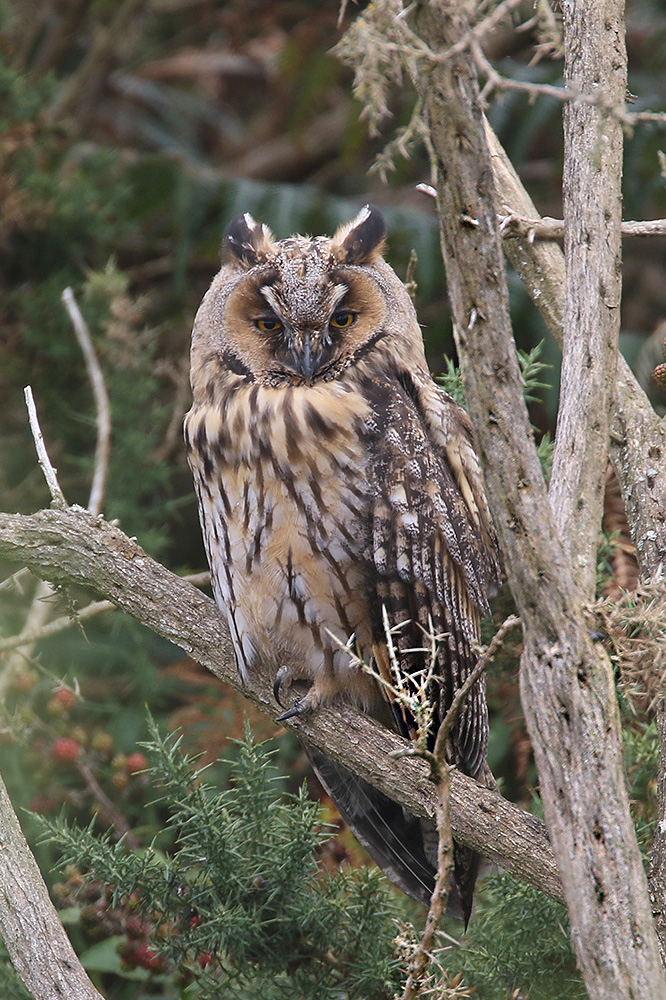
[{"x": 335, "y": 478}]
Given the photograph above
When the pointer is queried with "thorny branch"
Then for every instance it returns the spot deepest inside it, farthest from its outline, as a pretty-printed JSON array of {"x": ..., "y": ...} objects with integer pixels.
[{"x": 441, "y": 775}]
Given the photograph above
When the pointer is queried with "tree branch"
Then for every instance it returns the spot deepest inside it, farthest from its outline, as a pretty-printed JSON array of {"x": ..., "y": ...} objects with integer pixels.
[
  {"x": 35, "y": 938},
  {"x": 637, "y": 433},
  {"x": 658, "y": 852},
  {"x": 73, "y": 547},
  {"x": 101, "y": 397},
  {"x": 592, "y": 213},
  {"x": 566, "y": 683}
]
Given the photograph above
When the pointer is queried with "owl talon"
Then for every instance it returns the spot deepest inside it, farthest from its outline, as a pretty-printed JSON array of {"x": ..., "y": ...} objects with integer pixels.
[
  {"x": 283, "y": 676},
  {"x": 298, "y": 708}
]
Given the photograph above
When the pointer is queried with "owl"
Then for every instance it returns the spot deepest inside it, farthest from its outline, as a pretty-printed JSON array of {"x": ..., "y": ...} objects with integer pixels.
[{"x": 339, "y": 493}]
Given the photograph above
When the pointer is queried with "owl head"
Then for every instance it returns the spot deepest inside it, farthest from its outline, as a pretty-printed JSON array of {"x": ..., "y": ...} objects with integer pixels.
[{"x": 304, "y": 310}]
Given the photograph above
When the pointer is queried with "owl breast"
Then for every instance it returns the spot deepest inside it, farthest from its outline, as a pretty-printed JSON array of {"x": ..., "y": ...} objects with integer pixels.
[{"x": 283, "y": 480}]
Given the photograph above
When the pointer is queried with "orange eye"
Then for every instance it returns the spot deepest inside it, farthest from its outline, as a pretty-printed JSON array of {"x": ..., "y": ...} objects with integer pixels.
[
  {"x": 341, "y": 319},
  {"x": 269, "y": 324}
]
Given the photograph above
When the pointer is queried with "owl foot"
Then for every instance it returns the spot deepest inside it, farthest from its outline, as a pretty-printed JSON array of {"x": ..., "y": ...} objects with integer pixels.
[{"x": 285, "y": 677}]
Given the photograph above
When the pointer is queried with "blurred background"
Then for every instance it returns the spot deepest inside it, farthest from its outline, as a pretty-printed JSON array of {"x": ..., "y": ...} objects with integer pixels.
[{"x": 131, "y": 131}]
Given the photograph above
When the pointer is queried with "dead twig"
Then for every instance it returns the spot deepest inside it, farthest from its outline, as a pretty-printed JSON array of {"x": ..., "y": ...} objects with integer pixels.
[
  {"x": 50, "y": 475},
  {"x": 101, "y": 397},
  {"x": 110, "y": 813},
  {"x": 33, "y": 633}
]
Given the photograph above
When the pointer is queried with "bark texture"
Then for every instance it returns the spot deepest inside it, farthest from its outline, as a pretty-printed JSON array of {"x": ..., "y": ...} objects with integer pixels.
[
  {"x": 71, "y": 546},
  {"x": 566, "y": 681},
  {"x": 658, "y": 853},
  {"x": 595, "y": 58},
  {"x": 35, "y": 938},
  {"x": 637, "y": 434}
]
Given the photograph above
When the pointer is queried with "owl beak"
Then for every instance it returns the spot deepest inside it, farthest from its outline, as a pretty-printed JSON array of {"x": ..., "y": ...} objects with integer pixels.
[{"x": 306, "y": 361}]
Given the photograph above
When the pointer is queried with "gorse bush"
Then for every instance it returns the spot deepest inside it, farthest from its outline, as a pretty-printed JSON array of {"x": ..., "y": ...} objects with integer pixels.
[{"x": 240, "y": 904}]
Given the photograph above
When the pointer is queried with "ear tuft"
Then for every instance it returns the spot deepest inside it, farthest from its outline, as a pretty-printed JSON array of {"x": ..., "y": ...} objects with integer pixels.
[
  {"x": 246, "y": 241},
  {"x": 362, "y": 238}
]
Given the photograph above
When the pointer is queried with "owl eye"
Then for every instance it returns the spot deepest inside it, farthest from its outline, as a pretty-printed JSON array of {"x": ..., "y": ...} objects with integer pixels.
[
  {"x": 269, "y": 324},
  {"x": 341, "y": 319}
]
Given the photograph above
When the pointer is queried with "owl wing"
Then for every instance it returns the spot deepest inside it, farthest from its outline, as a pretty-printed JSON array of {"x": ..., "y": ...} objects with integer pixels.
[{"x": 433, "y": 550}]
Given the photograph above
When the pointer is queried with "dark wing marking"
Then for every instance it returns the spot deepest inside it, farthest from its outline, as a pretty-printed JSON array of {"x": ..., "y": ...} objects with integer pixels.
[{"x": 432, "y": 562}]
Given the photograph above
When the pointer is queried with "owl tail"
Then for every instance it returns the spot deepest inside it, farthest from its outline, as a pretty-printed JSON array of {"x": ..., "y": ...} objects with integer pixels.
[{"x": 404, "y": 846}]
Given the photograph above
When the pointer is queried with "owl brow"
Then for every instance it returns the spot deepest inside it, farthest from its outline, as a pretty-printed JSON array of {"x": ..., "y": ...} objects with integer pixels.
[
  {"x": 337, "y": 295},
  {"x": 271, "y": 298}
]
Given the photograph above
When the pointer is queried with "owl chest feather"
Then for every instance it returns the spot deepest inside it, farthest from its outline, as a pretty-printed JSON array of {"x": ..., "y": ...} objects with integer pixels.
[{"x": 283, "y": 483}]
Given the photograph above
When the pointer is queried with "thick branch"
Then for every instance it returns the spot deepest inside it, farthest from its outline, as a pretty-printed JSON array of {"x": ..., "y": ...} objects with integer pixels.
[
  {"x": 73, "y": 547},
  {"x": 638, "y": 435},
  {"x": 595, "y": 56},
  {"x": 35, "y": 938},
  {"x": 658, "y": 853},
  {"x": 566, "y": 682}
]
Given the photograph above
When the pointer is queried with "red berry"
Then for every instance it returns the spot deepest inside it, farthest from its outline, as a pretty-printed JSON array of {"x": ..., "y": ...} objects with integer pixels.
[
  {"x": 136, "y": 762},
  {"x": 65, "y": 697},
  {"x": 204, "y": 959},
  {"x": 147, "y": 957},
  {"x": 66, "y": 750}
]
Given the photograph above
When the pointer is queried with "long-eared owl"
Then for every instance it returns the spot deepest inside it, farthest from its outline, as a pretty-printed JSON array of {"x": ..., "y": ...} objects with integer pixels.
[{"x": 339, "y": 490}]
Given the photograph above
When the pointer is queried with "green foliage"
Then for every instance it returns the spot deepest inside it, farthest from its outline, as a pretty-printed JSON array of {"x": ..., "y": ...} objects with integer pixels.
[
  {"x": 241, "y": 904},
  {"x": 531, "y": 369},
  {"x": 518, "y": 940}
]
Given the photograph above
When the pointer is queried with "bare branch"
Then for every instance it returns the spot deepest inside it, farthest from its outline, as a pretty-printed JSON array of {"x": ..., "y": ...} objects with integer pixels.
[
  {"x": 101, "y": 397},
  {"x": 57, "y": 496},
  {"x": 460, "y": 697},
  {"x": 546, "y": 228},
  {"x": 592, "y": 193}
]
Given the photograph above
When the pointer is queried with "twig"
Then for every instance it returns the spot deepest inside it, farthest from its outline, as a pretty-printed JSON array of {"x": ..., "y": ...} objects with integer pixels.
[
  {"x": 32, "y": 633},
  {"x": 458, "y": 701},
  {"x": 110, "y": 812},
  {"x": 57, "y": 496},
  {"x": 547, "y": 228},
  {"x": 101, "y": 397}
]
